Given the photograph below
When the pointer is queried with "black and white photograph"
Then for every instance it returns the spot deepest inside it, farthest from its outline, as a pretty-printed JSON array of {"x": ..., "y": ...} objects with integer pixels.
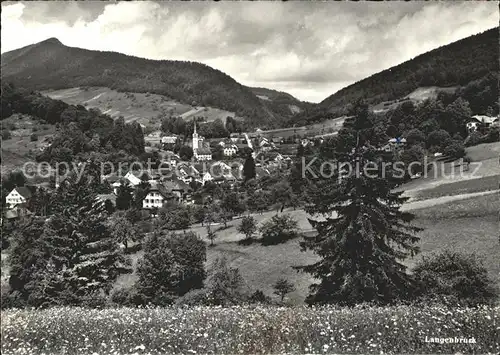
[{"x": 250, "y": 177}]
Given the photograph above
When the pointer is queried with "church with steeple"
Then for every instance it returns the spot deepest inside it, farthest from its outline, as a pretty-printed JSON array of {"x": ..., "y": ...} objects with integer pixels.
[
  {"x": 199, "y": 151},
  {"x": 196, "y": 139}
]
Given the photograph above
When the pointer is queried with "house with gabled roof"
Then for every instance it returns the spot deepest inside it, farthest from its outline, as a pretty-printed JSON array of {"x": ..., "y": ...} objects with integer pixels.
[
  {"x": 156, "y": 197},
  {"x": 203, "y": 154},
  {"x": 19, "y": 196}
]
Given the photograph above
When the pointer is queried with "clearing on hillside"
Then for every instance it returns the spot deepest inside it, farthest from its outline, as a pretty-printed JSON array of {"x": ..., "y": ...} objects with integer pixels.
[{"x": 145, "y": 108}]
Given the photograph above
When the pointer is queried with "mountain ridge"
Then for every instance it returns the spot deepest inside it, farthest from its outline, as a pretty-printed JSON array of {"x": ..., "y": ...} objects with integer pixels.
[
  {"x": 51, "y": 65},
  {"x": 477, "y": 55}
]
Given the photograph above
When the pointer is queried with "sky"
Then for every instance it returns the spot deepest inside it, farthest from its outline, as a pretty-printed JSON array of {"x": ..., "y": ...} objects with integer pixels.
[{"x": 309, "y": 50}]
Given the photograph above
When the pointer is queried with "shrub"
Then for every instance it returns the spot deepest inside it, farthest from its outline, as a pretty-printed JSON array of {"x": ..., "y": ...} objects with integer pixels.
[
  {"x": 172, "y": 266},
  {"x": 457, "y": 277},
  {"x": 455, "y": 149},
  {"x": 282, "y": 287},
  {"x": 6, "y": 134},
  {"x": 12, "y": 300},
  {"x": 34, "y": 137},
  {"x": 415, "y": 136},
  {"x": 224, "y": 287},
  {"x": 439, "y": 138},
  {"x": 127, "y": 297},
  {"x": 492, "y": 136},
  {"x": 474, "y": 138},
  {"x": 259, "y": 297},
  {"x": 279, "y": 229}
]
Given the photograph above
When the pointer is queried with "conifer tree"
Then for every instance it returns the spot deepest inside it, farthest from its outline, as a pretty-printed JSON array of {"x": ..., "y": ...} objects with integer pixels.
[
  {"x": 76, "y": 244},
  {"x": 365, "y": 235},
  {"x": 124, "y": 196},
  {"x": 249, "y": 168}
]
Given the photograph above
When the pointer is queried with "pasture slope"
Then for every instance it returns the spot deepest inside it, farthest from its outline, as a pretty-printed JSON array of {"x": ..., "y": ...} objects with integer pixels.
[
  {"x": 416, "y": 96},
  {"x": 21, "y": 148},
  {"x": 144, "y": 108}
]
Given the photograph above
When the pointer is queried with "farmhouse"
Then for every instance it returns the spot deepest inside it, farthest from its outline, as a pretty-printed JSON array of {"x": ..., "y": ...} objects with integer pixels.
[
  {"x": 16, "y": 213},
  {"x": 476, "y": 121},
  {"x": 485, "y": 120},
  {"x": 472, "y": 126},
  {"x": 277, "y": 140},
  {"x": 155, "y": 198},
  {"x": 176, "y": 190},
  {"x": 18, "y": 196}
]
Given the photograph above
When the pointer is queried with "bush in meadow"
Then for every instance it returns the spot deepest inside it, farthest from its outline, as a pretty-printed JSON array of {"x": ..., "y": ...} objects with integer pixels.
[
  {"x": 224, "y": 287},
  {"x": 279, "y": 229},
  {"x": 455, "y": 277},
  {"x": 172, "y": 266}
]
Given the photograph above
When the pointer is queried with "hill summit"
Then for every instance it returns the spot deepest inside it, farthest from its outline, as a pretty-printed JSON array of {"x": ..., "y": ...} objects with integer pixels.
[{"x": 51, "y": 65}]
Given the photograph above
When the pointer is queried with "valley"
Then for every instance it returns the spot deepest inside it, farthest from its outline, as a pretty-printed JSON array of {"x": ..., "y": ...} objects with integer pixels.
[{"x": 250, "y": 178}]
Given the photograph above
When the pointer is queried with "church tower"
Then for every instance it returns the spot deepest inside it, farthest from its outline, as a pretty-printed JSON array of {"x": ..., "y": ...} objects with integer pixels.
[{"x": 196, "y": 138}]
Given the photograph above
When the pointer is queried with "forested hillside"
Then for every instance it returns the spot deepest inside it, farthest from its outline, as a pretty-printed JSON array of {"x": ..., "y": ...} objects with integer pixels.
[
  {"x": 473, "y": 59},
  {"x": 52, "y": 65},
  {"x": 279, "y": 102},
  {"x": 81, "y": 132}
]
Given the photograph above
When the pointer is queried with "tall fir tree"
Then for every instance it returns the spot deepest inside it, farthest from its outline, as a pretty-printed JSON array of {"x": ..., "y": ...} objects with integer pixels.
[
  {"x": 124, "y": 196},
  {"x": 249, "y": 168},
  {"x": 365, "y": 236},
  {"x": 95, "y": 260},
  {"x": 71, "y": 255}
]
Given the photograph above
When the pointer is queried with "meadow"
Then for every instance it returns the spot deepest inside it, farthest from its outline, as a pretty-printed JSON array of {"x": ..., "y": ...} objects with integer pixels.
[
  {"x": 20, "y": 148},
  {"x": 326, "y": 127},
  {"x": 466, "y": 225},
  {"x": 141, "y": 107},
  {"x": 250, "y": 330}
]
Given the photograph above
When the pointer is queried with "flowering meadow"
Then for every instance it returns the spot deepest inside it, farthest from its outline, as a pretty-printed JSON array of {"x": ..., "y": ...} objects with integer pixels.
[{"x": 249, "y": 330}]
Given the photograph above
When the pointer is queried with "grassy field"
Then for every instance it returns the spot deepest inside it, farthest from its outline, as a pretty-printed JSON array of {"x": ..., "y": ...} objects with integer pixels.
[
  {"x": 326, "y": 127},
  {"x": 418, "y": 95},
  {"x": 20, "y": 149},
  {"x": 482, "y": 175},
  {"x": 469, "y": 225},
  {"x": 487, "y": 183},
  {"x": 141, "y": 107},
  {"x": 249, "y": 330}
]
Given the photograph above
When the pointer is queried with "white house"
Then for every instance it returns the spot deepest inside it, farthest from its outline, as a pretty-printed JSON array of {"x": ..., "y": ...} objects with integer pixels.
[
  {"x": 133, "y": 180},
  {"x": 230, "y": 150},
  {"x": 129, "y": 178},
  {"x": 155, "y": 198},
  {"x": 486, "y": 120},
  {"x": 207, "y": 177},
  {"x": 18, "y": 196}
]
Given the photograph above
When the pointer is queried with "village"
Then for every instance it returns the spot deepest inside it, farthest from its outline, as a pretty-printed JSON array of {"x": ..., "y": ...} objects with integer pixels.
[
  {"x": 215, "y": 161},
  {"x": 243, "y": 177}
]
